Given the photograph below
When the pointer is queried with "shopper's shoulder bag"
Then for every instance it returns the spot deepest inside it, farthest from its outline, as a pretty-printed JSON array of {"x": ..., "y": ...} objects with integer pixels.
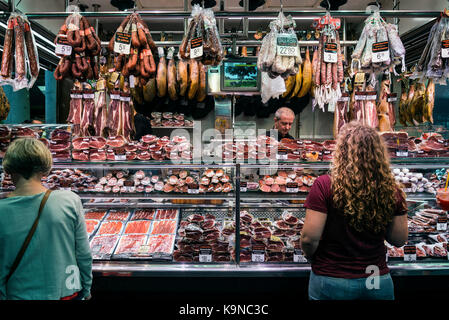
[{"x": 29, "y": 236}]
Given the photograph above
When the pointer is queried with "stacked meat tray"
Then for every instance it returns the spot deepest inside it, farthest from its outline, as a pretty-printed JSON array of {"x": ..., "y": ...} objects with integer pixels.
[
  {"x": 424, "y": 235},
  {"x": 274, "y": 235},
  {"x": 131, "y": 234}
]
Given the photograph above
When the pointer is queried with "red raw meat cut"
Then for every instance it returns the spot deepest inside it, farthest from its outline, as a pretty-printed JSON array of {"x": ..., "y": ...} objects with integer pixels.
[
  {"x": 114, "y": 115},
  {"x": 95, "y": 214},
  {"x": 431, "y": 145},
  {"x": 131, "y": 147},
  {"x": 91, "y": 225},
  {"x": 110, "y": 227},
  {"x": 97, "y": 155},
  {"x": 59, "y": 145},
  {"x": 87, "y": 120},
  {"x": 118, "y": 215},
  {"x": 81, "y": 155},
  {"x": 143, "y": 214},
  {"x": 164, "y": 226},
  {"x": 149, "y": 138},
  {"x": 141, "y": 226},
  {"x": 81, "y": 143},
  {"x": 76, "y": 111},
  {"x": 106, "y": 245},
  {"x": 129, "y": 244},
  {"x": 60, "y": 134},
  {"x": 97, "y": 142},
  {"x": 144, "y": 155},
  {"x": 24, "y": 132},
  {"x": 161, "y": 243},
  {"x": 116, "y": 141},
  {"x": 195, "y": 218},
  {"x": 131, "y": 156}
]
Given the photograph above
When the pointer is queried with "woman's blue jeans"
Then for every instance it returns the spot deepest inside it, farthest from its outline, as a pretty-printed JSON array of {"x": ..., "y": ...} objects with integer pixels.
[{"x": 329, "y": 288}]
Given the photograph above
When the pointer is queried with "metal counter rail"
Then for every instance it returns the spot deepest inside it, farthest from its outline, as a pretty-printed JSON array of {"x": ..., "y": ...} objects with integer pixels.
[{"x": 131, "y": 269}]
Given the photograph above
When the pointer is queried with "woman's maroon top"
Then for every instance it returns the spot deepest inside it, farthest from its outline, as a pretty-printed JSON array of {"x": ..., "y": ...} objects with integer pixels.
[{"x": 344, "y": 252}]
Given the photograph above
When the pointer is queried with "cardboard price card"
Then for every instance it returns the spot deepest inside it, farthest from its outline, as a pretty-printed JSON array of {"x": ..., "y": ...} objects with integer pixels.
[
  {"x": 287, "y": 45},
  {"x": 445, "y": 49},
  {"x": 258, "y": 254},
  {"x": 409, "y": 253},
  {"x": 122, "y": 43},
  {"x": 381, "y": 52},
  {"x": 330, "y": 52},
  {"x": 62, "y": 46},
  {"x": 205, "y": 254},
  {"x": 196, "y": 47}
]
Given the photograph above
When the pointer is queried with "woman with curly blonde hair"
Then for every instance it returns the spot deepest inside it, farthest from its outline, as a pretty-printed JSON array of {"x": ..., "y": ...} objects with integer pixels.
[{"x": 349, "y": 215}]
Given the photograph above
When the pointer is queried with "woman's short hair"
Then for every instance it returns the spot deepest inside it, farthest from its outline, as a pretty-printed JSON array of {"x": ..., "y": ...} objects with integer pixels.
[{"x": 26, "y": 157}]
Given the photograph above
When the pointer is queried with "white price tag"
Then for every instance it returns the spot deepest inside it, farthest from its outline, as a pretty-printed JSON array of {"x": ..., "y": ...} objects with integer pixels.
[
  {"x": 330, "y": 53},
  {"x": 243, "y": 187},
  {"x": 282, "y": 156},
  {"x": 122, "y": 43},
  {"x": 120, "y": 157},
  {"x": 401, "y": 153},
  {"x": 360, "y": 97},
  {"x": 381, "y": 52},
  {"x": 344, "y": 99},
  {"x": 441, "y": 226},
  {"x": 62, "y": 49},
  {"x": 392, "y": 99},
  {"x": 292, "y": 190},
  {"x": 132, "y": 81},
  {"x": 409, "y": 253},
  {"x": 287, "y": 45},
  {"x": 193, "y": 191},
  {"x": 258, "y": 257},
  {"x": 196, "y": 48},
  {"x": 88, "y": 95},
  {"x": 298, "y": 256},
  {"x": 205, "y": 258},
  {"x": 445, "y": 49}
]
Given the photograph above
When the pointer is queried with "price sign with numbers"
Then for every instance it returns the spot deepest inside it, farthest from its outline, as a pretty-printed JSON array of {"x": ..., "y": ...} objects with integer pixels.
[
  {"x": 196, "y": 47},
  {"x": 330, "y": 53},
  {"x": 392, "y": 97},
  {"x": 401, "y": 152},
  {"x": 243, "y": 186},
  {"x": 205, "y": 254},
  {"x": 292, "y": 187},
  {"x": 442, "y": 223},
  {"x": 258, "y": 254},
  {"x": 381, "y": 52},
  {"x": 193, "y": 188},
  {"x": 298, "y": 256},
  {"x": 287, "y": 45},
  {"x": 62, "y": 46},
  {"x": 409, "y": 253},
  {"x": 282, "y": 154},
  {"x": 122, "y": 43},
  {"x": 445, "y": 49}
]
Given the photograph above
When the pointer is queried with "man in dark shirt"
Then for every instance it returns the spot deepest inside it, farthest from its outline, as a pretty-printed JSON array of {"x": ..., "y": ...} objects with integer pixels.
[{"x": 283, "y": 120}]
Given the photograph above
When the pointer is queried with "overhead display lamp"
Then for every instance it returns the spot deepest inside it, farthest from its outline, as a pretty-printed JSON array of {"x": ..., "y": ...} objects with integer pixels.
[
  {"x": 253, "y": 4},
  {"x": 122, "y": 4},
  {"x": 207, "y": 3},
  {"x": 332, "y": 4}
]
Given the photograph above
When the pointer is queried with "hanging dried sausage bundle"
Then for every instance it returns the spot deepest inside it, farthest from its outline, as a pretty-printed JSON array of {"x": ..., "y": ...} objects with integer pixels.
[
  {"x": 24, "y": 58},
  {"x": 202, "y": 41},
  {"x": 79, "y": 48},
  {"x": 328, "y": 70}
]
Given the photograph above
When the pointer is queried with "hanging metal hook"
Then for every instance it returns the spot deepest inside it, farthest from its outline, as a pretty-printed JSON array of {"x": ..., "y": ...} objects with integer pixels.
[{"x": 328, "y": 5}]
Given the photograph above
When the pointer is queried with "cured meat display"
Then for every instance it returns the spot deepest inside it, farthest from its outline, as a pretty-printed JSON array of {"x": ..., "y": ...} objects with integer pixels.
[
  {"x": 134, "y": 49},
  {"x": 379, "y": 47},
  {"x": 202, "y": 40},
  {"x": 199, "y": 230},
  {"x": 417, "y": 102},
  {"x": 129, "y": 245},
  {"x": 120, "y": 215},
  {"x": 91, "y": 226},
  {"x": 79, "y": 47},
  {"x": 276, "y": 238},
  {"x": 293, "y": 181},
  {"x": 102, "y": 247},
  {"x": 143, "y": 214},
  {"x": 274, "y": 62},
  {"x": 418, "y": 182},
  {"x": 161, "y": 243},
  {"x": 327, "y": 66},
  {"x": 163, "y": 227},
  {"x": 22, "y": 60},
  {"x": 433, "y": 64},
  {"x": 137, "y": 227},
  {"x": 69, "y": 179},
  {"x": 166, "y": 214},
  {"x": 110, "y": 228},
  {"x": 95, "y": 214},
  {"x": 168, "y": 119}
]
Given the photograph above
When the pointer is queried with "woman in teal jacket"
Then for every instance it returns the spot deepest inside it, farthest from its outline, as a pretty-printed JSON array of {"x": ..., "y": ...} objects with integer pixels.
[{"x": 57, "y": 263}]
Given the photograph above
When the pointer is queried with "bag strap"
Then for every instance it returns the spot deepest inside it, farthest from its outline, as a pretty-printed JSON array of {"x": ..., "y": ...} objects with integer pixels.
[{"x": 29, "y": 236}]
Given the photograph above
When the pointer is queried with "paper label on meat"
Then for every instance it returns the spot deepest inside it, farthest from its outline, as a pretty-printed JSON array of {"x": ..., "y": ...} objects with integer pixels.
[
  {"x": 381, "y": 52},
  {"x": 132, "y": 81},
  {"x": 62, "y": 47},
  {"x": 243, "y": 186},
  {"x": 298, "y": 256},
  {"x": 205, "y": 254},
  {"x": 409, "y": 253},
  {"x": 330, "y": 53},
  {"x": 442, "y": 223},
  {"x": 287, "y": 45},
  {"x": 122, "y": 43},
  {"x": 258, "y": 254},
  {"x": 445, "y": 49},
  {"x": 196, "y": 47},
  {"x": 120, "y": 157}
]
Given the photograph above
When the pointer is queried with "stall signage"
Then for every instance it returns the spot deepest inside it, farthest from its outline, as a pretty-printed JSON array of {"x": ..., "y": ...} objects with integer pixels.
[
  {"x": 381, "y": 52},
  {"x": 409, "y": 253},
  {"x": 258, "y": 254},
  {"x": 205, "y": 254},
  {"x": 292, "y": 187},
  {"x": 330, "y": 52},
  {"x": 287, "y": 45},
  {"x": 122, "y": 43},
  {"x": 196, "y": 47}
]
